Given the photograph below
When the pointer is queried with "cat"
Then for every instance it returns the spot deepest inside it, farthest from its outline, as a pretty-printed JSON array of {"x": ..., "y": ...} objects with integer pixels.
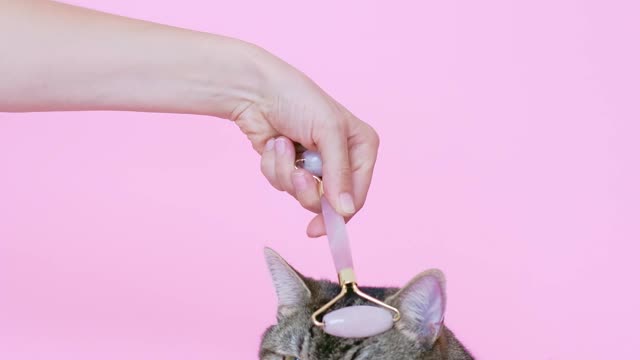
[{"x": 419, "y": 334}]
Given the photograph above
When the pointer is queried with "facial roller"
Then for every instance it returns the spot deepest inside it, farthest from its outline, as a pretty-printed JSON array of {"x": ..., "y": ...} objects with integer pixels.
[{"x": 356, "y": 321}]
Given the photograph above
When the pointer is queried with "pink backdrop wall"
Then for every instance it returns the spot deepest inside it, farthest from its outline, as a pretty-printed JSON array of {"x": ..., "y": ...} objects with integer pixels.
[{"x": 509, "y": 159}]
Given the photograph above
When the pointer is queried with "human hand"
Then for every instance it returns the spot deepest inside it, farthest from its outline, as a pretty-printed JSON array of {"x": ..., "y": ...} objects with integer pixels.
[{"x": 292, "y": 108}]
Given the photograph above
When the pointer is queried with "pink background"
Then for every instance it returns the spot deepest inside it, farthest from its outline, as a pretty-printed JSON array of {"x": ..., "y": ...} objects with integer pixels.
[{"x": 509, "y": 159}]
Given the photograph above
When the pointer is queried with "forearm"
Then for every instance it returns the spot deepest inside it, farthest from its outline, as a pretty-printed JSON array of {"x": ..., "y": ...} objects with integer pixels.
[{"x": 60, "y": 57}]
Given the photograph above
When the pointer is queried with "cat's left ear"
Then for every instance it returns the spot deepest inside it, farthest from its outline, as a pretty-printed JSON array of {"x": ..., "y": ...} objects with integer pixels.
[
  {"x": 291, "y": 290},
  {"x": 422, "y": 304}
]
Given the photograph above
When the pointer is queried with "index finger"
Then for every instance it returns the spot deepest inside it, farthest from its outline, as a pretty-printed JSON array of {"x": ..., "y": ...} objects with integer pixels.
[{"x": 336, "y": 167}]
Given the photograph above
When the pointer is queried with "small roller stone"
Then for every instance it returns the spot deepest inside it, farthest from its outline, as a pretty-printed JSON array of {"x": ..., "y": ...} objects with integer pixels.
[{"x": 358, "y": 321}]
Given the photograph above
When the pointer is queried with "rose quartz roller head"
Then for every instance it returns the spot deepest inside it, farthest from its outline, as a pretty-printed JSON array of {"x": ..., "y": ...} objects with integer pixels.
[{"x": 353, "y": 321}]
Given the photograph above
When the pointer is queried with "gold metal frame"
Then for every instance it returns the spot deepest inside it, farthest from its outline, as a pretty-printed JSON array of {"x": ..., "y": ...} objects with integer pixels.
[{"x": 348, "y": 282}]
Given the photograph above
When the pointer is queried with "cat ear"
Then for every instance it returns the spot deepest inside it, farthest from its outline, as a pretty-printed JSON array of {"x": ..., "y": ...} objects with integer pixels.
[
  {"x": 291, "y": 290},
  {"x": 422, "y": 304}
]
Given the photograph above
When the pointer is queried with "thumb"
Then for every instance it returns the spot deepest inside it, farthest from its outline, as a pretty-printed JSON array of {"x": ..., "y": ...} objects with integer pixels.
[{"x": 336, "y": 169}]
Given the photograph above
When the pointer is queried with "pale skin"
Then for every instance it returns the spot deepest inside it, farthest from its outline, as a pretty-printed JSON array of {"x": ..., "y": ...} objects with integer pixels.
[{"x": 57, "y": 57}]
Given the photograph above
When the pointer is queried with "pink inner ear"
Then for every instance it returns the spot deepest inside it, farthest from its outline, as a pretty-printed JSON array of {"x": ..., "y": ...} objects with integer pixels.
[{"x": 422, "y": 305}]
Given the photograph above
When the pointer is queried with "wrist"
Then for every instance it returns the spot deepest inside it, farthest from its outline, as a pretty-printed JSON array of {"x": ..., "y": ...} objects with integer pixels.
[{"x": 237, "y": 77}]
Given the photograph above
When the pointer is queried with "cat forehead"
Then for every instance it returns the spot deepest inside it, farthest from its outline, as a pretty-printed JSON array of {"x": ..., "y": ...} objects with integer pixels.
[{"x": 325, "y": 290}]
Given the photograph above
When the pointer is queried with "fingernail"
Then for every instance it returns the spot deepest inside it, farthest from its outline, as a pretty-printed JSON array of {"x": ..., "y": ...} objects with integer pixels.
[
  {"x": 269, "y": 145},
  {"x": 345, "y": 202},
  {"x": 299, "y": 181},
  {"x": 280, "y": 146}
]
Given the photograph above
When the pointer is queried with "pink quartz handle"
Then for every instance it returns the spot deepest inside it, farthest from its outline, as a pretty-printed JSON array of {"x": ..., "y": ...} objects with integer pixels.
[
  {"x": 337, "y": 236},
  {"x": 333, "y": 222}
]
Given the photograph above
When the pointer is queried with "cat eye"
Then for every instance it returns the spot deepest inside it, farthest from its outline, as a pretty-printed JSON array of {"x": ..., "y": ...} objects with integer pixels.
[{"x": 289, "y": 358}]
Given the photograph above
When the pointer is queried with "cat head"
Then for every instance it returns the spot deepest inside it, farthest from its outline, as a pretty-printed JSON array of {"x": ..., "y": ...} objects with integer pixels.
[{"x": 419, "y": 334}]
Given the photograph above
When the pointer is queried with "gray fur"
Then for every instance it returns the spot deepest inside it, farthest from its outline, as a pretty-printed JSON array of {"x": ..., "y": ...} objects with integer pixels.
[{"x": 295, "y": 336}]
